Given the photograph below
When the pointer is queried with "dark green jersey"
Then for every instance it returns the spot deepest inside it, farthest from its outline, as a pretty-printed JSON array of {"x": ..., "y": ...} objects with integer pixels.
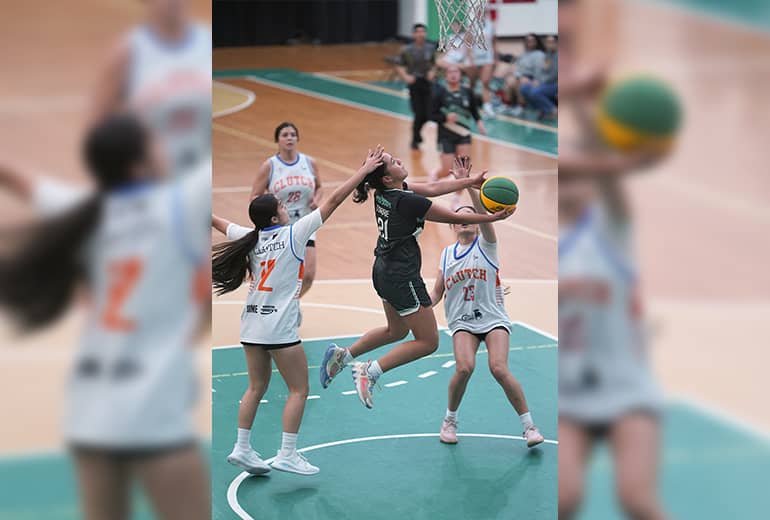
[
  {"x": 461, "y": 102},
  {"x": 400, "y": 216}
]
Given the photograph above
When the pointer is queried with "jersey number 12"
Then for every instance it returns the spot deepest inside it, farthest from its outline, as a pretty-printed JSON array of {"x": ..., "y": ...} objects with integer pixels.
[{"x": 267, "y": 268}]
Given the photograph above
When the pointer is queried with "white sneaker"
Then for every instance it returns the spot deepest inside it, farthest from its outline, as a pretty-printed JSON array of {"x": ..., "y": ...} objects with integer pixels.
[
  {"x": 448, "y": 434},
  {"x": 248, "y": 461},
  {"x": 533, "y": 436},
  {"x": 293, "y": 463},
  {"x": 362, "y": 383},
  {"x": 517, "y": 111},
  {"x": 488, "y": 109}
]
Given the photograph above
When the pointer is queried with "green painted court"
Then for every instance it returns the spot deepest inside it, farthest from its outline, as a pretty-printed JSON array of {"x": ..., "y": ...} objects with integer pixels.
[
  {"x": 394, "y": 447},
  {"x": 712, "y": 468}
]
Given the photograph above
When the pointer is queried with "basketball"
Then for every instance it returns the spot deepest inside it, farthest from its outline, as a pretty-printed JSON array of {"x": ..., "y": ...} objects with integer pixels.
[
  {"x": 639, "y": 111},
  {"x": 499, "y": 193}
]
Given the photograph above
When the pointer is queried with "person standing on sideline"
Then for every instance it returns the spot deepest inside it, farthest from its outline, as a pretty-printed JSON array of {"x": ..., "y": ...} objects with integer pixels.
[{"x": 417, "y": 70}]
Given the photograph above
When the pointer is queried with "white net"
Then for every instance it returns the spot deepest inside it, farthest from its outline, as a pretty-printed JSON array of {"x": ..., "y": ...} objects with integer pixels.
[{"x": 461, "y": 23}]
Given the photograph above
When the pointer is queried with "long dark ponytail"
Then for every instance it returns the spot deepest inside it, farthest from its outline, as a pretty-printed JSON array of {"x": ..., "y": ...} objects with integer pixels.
[
  {"x": 371, "y": 181},
  {"x": 46, "y": 261},
  {"x": 230, "y": 260}
]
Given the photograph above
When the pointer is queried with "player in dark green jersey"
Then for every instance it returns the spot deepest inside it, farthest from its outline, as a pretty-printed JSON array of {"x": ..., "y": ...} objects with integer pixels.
[
  {"x": 454, "y": 110},
  {"x": 400, "y": 212}
]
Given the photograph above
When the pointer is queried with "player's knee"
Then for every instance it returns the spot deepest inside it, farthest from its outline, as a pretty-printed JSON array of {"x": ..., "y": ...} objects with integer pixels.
[
  {"x": 638, "y": 504},
  {"x": 299, "y": 391},
  {"x": 499, "y": 371},
  {"x": 570, "y": 497},
  {"x": 465, "y": 370},
  {"x": 428, "y": 344},
  {"x": 256, "y": 389}
]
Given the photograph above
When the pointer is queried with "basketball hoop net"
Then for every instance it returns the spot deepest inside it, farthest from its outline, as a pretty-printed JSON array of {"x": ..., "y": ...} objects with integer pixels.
[{"x": 461, "y": 23}]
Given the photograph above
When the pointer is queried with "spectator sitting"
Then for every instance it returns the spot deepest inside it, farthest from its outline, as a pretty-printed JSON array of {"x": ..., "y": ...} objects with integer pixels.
[
  {"x": 526, "y": 67},
  {"x": 540, "y": 93}
]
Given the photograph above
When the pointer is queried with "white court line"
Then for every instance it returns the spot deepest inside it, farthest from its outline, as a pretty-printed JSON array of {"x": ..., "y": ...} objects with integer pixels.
[
  {"x": 250, "y": 97},
  {"x": 313, "y": 397},
  {"x": 445, "y": 330},
  {"x": 334, "y": 184},
  {"x": 719, "y": 200},
  {"x": 525, "y": 229},
  {"x": 262, "y": 401},
  {"x": 396, "y": 383},
  {"x": 535, "y": 329},
  {"x": 313, "y": 305},
  {"x": 360, "y": 106},
  {"x": 427, "y": 374},
  {"x": 22, "y": 105},
  {"x": 349, "y": 392},
  {"x": 448, "y": 364},
  {"x": 232, "y": 489},
  {"x": 723, "y": 416}
]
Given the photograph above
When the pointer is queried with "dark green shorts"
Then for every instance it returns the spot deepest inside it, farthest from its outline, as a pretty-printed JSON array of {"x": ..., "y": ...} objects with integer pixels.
[
  {"x": 448, "y": 143},
  {"x": 405, "y": 293}
]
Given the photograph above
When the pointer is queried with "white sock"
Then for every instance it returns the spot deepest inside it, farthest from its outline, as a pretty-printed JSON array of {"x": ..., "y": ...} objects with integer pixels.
[
  {"x": 526, "y": 420},
  {"x": 288, "y": 443},
  {"x": 244, "y": 439},
  {"x": 374, "y": 371},
  {"x": 451, "y": 415},
  {"x": 348, "y": 356}
]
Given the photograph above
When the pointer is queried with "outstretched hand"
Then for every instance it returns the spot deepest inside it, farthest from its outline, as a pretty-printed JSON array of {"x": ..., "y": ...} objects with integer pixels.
[
  {"x": 478, "y": 179},
  {"x": 373, "y": 159},
  {"x": 462, "y": 167}
]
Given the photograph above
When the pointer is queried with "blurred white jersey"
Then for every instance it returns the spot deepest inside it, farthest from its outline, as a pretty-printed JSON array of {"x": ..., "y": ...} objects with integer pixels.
[
  {"x": 271, "y": 316},
  {"x": 603, "y": 369},
  {"x": 486, "y": 56},
  {"x": 473, "y": 294},
  {"x": 293, "y": 184},
  {"x": 133, "y": 383},
  {"x": 169, "y": 85}
]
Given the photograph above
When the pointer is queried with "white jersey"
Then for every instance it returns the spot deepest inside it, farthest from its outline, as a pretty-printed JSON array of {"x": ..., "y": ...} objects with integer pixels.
[
  {"x": 485, "y": 56},
  {"x": 474, "y": 296},
  {"x": 603, "y": 369},
  {"x": 456, "y": 55},
  {"x": 271, "y": 315},
  {"x": 133, "y": 383},
  {"x": 169, "y": 84},
  {"x": 293, "y": 184}
]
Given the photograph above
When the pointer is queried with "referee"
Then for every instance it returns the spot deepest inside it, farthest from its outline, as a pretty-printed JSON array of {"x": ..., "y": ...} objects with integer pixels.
[{"x": 418, "y": 60}]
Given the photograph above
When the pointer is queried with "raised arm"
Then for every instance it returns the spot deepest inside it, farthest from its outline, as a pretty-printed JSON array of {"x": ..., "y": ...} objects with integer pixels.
[
  {"x": 219, "y": 224},
  {"x": 373, "y": 160},
  {"x": 438, "y": 213},
  {"x": 434, "y": 189},
  {"x": 462, "y": 169},
  {"x": 260, "y": 184},
  {"x": 110, "y": 88},
  {"x": 14, "y": 180}
]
